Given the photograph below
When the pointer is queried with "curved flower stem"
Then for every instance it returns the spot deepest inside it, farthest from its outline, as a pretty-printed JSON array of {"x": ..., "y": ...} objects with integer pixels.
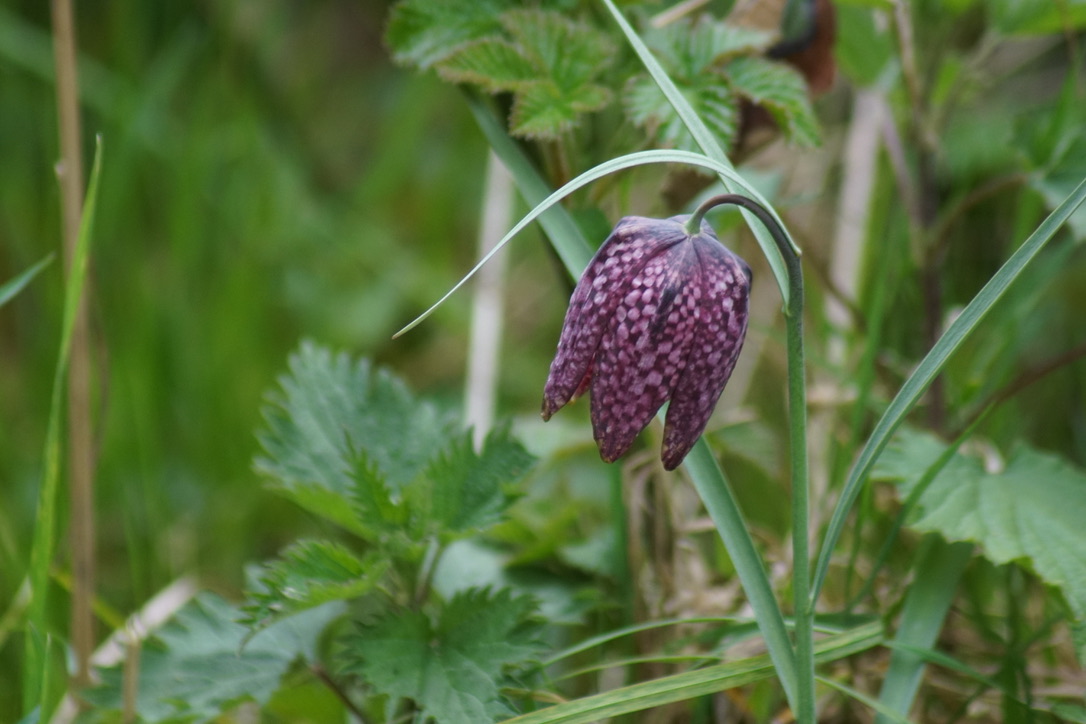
[{"x": 797, "y": 421}]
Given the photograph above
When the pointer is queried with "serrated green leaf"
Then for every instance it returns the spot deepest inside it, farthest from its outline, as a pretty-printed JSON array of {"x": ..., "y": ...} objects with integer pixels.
[
  {"x": 491, "y": 63},
  {"x": 691, "y": 53},
  {"x": 197, "y": 668},
  {"x": 649, "y": 108},
  {"x": 308, "y": 574},
  {"x": 329, "y": 412},
  {"x": 423, "y": 32},
  {"x": 548, "y": 61},
  {"x": 463, "y": 491},
  {"x": 452, "y": 669},
  {"x": 374, "y": 506},
  {"x": 543, "y": 110},
  {"x": 781, "y": 90},
  {"x": 1030, "y": 511},
  {"x": 569, "y": 53}
]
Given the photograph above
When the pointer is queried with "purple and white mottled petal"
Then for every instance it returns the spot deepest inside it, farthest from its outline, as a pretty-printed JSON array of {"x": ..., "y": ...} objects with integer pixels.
[
  {"x": 632, "y": 243},
  {"x": 722, "y": 327},
  {"x": 644, "y": 350}
]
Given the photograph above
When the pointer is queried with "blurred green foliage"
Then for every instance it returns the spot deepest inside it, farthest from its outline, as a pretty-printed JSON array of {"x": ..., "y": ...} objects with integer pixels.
[{"x": 271, "y": 175}]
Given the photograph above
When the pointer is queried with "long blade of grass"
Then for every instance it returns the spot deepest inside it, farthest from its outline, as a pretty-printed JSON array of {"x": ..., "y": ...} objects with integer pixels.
[
  {"x": 566, "y": 244},
  {"x": 866, "y": 700},
  {"x": 44, "y": 543},
  {"x": 930, "y": 367},
  {"x": 13, "y": 286},
  {"x": 706, "y": 141},
  {"x": 690, "y": 684},
  {"x": 938, "y": 569}
]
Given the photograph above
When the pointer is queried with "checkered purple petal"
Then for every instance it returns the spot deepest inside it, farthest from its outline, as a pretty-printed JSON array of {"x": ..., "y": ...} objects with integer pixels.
[
  {"x": 632, "y": 244},
  {"x": 722, "y": 327}
]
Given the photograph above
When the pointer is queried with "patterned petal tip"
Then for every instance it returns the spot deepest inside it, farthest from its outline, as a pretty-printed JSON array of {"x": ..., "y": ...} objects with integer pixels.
[{"x": 657, "y": 315}]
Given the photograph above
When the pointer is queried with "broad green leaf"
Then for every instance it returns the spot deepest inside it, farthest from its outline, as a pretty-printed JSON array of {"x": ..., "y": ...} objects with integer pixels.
[
  {"x": 781, "y": 90},
  {"x": 462, "y": 491},
  {"x": 691, "y": 53},
  {"x": 494, "y": 64},
  {"x": 544, "y": 110},
  {"x": 548, "y": 62},
  {"x": 452, "y": 668},
  {"x": 1030, "y": 511},
  {"x": 567, "y": 52},
  {"x": 327, "y": 412},
  {"x": 423, "y": 32},
  {"x": 308, "y": 574},
  {"x": 13, "y": 286},
  {"x": 650, "y": 109},
  {"x": 198, "y": 668}
]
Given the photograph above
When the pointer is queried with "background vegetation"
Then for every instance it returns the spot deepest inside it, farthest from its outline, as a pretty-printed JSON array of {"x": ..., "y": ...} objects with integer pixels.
[{"x": 271, "y": 175}]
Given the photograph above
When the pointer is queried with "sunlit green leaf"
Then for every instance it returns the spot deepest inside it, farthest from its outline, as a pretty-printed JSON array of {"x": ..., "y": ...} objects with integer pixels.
[{"x": 452, "y": 667}]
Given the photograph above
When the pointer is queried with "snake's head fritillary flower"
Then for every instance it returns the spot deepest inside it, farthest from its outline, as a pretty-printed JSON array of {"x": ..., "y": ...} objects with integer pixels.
[{"x": 659, "y": 314}]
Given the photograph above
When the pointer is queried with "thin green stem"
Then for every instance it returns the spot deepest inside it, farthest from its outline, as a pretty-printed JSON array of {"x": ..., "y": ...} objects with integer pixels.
[{"x": 797, "y": 421}]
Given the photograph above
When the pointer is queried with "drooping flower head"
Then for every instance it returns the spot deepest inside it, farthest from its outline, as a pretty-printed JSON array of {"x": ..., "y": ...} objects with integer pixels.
[{"x": 659, "y": 314}]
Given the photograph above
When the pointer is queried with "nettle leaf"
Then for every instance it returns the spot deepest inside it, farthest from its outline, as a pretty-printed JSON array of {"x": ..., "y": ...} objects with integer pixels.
[
  {"x": 648, "y": 107},
  {"x": 781, "y": 90},
  {"x": 197, "y": 668},
  {"x": 492, "y": 63},
  {"x": 1031, "y": 511},
  {"x": 691, "y": 53},
  {"x": 423, "y": 32},
  {"x": 328, "y": 414},
  {"x": 452, "y": 668},
  {"x": 309, "y": 573},
  {"x": 549, "y": 62},
  {"x": 462, "y": 491}
]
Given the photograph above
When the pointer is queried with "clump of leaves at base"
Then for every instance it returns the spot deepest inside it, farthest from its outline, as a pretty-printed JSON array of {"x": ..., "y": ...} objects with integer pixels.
[{"x": 398, "y": 480}]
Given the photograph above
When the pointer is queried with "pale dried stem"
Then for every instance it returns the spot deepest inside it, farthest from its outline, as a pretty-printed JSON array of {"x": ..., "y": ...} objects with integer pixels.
[
  {"x": 81, "y": 452},
  {"x": 484, "y": 345}
]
